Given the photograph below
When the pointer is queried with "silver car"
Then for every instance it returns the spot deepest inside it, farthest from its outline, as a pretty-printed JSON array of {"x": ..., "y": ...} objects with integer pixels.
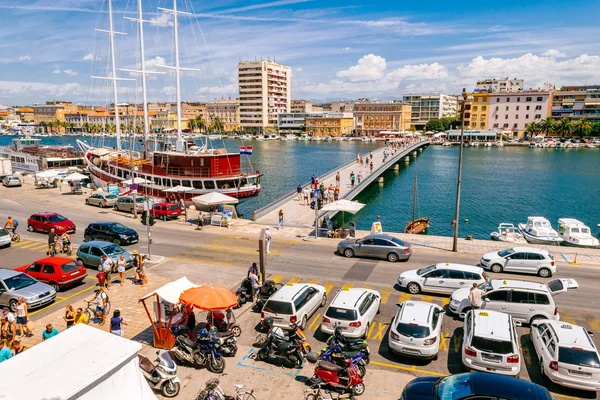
[
  {"x": 11, "y": 181},
  {"x": 376, "y": 246},
  {"x": 101, "y": 199},
  {"x": 125, "y": 203},
  {"x": 14, "y": 284}
]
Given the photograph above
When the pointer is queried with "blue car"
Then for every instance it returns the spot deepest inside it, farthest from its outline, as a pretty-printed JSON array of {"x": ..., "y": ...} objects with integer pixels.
[
  {"x": 473, "y": 385},
  {"x": 90, "y": 253}
]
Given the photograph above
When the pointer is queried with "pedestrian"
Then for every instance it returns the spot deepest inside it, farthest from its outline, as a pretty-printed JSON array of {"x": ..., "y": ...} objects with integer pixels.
[
  {"x": 371, "y": 166},
  {"x": 268, "y": 237},
  {"x": 51, "y": 240},
  {"x": 313, "y": 179},
  {"x": 69, "y": 316},
  {"x": 475, "y": 297},
  {"x": 299, "y": 191},
  {"x": 117, "y": 323},
  {"x": 101, "y": 300},
  {"x": 7, "y": 331},
  {"x": 359, "y": 177},
  {"x": 200, "y": 222},
  {"x": 253, "y": 268},
  {"x": 139, "y": 272},
  {"x": 23, "y": 318},
  {"x": 361, "y": 161},
  {"x": 336, "y": 194},
  {"x": 5, "y": 352},
  {"x": 337, "y": 178},
  {"x": 326, "y": 196},
  {"x": 306, "y": 196},
  {"x": 357, "y": 157},
  {"x": 80, "y": 317},
  {"x": 280, "y": 221},
  {"x": 18, "y": 347},
  {"x": 316, "y": 186},
  {"x": 352, "y": 178},
  {"x": 49, "y": 332},
  {"x": 191, "y": 317},
  {"x": 255, "y": 285},
  {"x": 121, "y": 264},
  {"x": 106, "y": 267}
]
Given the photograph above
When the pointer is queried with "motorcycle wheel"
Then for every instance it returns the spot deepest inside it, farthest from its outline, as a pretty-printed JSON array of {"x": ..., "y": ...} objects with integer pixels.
[
  {"x": 359, "y": 389},
  {"x": 216, "y": 365},
  {"x": 294, "y": 361},
  {"x": 366, "y": 359},
  {"x": 170, "y": 389},
  {"x": 237, "y": 331},
  {"x": 262, "y": 355},
  {"x": 234, "y": 350},
  {"x": 361, "y": 370}
]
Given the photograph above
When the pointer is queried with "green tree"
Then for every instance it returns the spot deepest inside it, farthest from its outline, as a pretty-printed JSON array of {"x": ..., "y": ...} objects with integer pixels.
[
  {"x": 564, "y": 127},
  {"x": 583, "y": 127},
  {"x": 86, "y": 127},
  {"x": 107, "y": 127},
  {"x": 199, "y": 122},
  {"x": 596, "y": 129},
  {"x": 548, "y": 126},
  {"x": 436, "y": 125},
  {"x": 218, "y": 124},
  {"x": 532, "y": 129},
  {"x": 50, "y": 124}
]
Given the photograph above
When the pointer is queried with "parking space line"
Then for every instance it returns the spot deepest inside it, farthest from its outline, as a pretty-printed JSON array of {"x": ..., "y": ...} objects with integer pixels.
[
  {"x": 385, "y": 295},
  {"x": 347, "y": 286},
  {"x": 593, "y": 323},
  {"x": 295, "y": 280},
  {"x": 445, "y": 301},
  {"x": 380, "y": 331},
  {"x": 328, "y": 286},
  {"x": 427, "y": 299},
  {"x": 366, "y": 287},
  {"x": 567, "y": 317},
  {"x": 316, "y": 319},
  {"x": 277, "y": 278},
  {"x": 371, "y": 329},
  {"x": 404, "y": 297},
  {"x": 413, "y": 368},
  {"x": 313, "y": 281},
  {"x": 63, "y": 299}
]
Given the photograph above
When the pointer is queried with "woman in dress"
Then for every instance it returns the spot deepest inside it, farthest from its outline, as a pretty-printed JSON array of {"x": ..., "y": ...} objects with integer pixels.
[
  {"x": 23, "y": 318},
  {"x": 121, "y": 268},
  {"x": 117, "y": 323},
  {"x": 69, "y": 316}
]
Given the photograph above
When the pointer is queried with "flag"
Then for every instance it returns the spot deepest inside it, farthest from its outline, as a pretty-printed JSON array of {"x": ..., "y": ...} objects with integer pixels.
[{"x": 246, "y": 150}]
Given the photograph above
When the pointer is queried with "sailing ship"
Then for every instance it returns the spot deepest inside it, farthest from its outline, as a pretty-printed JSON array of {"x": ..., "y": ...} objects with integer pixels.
[
  {"x": 418, "y": 225},
  {"x": 195, "y": 170}
]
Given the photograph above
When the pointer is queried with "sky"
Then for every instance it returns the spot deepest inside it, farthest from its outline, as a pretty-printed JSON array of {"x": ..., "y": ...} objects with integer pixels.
[{"x": 378, "y": 49}]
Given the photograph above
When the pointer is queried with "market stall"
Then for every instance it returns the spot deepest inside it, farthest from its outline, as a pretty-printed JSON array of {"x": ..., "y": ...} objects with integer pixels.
[
  {"x": 74, "y": 180},
  {"x": 46, "y": 179},
  {"x": 166, "y": 312},
  {"x": 342, "y": 205},
  {"x": 220, "y": 206}
]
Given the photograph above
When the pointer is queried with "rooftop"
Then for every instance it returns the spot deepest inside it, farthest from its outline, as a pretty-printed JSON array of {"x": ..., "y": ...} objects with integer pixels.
[
  {"x": 492, "y": 324},
  {"x": 348, "y": 297},
  {"x": 569, "y": 334},
  {"x": 416, "y": 311}
]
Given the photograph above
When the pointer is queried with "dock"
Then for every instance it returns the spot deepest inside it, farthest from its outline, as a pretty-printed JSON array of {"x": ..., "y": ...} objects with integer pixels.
[{"x": 298, "y": 214}]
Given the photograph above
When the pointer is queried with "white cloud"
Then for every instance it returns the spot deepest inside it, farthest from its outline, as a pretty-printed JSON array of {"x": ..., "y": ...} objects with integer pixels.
[
  {"x": 25, "y": 58},
  {"x": 299, "y": 70},
  {"x": 151, "y": 64},
  {"x": 368, "y": 68},
  {"x": 38, "y": 90},
  {"x": 70, "y": 72},
  {"x": 421, "y": 71},
  {"x": 230, "y": 89},
  {"x": 164, "y": 20},
  {"x": 169, "y": 90},
  {"x": 56, "y": 71},
  {"x": 554, "y": 53},
  {"x": 89, "y": 57},
  {"x": 347, "y": 48}
]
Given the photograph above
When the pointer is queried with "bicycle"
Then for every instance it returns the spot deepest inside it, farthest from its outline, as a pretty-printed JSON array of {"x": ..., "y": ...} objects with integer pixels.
[
  {"x": 90, "y": 310},
  {"x": 213, "y": 390},
  {"x": 316, "y": 393},
  {"x": 52, "y": 249},
  {"x": 14, "y": 236}
]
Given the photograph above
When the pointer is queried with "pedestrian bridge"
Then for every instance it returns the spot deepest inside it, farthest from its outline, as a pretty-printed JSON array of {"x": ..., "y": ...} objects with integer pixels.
[{"x": 297, "y": 214}]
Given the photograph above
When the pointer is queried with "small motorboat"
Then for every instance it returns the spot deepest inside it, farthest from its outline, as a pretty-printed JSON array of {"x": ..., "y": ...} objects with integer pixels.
[
  {"x": 507, "y": 233},
  {"x": 446, "y": 144},
  {"x": 417, "y": 226},
  {"x": 539, "y": 231},
  {"x": 576, "y": 233}
]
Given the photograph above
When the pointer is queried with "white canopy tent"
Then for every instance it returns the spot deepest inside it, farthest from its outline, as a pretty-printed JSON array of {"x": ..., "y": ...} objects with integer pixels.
[
  {"x": 344, "y": 205},
  {"x": 75, "y": 176},
  {"x": 172, "y": 290},
  {"x": 81, "y": 363},
  {"x": 137, "y": 180},
  {"x": 440, "y": 135},
  {"x": 213, "y": 199},
  {"x": 178, "y": 189},
  {"x": 50, "y": 173}
]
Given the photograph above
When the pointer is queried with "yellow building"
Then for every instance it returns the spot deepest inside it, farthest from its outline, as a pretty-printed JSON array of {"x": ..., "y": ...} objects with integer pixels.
[
  {"x": 167, "y": 121},
  {"x": 479, "y": 112},
  {"x": 228, "y": 112},
  {"x": 53, "y": 111},
  {"x": 330, "y": 124},
  {"x": 375, "y": 117},
  {"x": 25, "y": 114}
]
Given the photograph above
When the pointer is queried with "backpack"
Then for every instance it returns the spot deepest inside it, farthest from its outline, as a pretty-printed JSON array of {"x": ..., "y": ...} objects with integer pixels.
[{"x": 16, "y": 223}]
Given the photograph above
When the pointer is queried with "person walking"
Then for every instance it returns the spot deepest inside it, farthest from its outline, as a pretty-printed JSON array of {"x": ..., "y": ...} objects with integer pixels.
[
  {"x": 23, "y": 318},
  {"x": 7, "y": 331},
  {"x": 49, "y": 332},
  {"x": 359, "y": 177},
  {"x": 337, "y": 178},
  {"x": 268, "y": 238},
  {"x": 280, "y": 222},
  {"x": 299, "y": 192},
  {"x": 371, "y": 166},
  {"x": 18, "y": 347},
  {"x": 352, "y": 178},
  {"x": 475, "y": 297},
  {"x": 139, "y": 272},
  {"x": 313, "y": 179},
  {"x": 121, "y": 264},
  {"x": 69, "y": 316},
  {"x": 101, "y": 300},
  {"x": 306, "y": 196},
  {"x": 117, "y": 323},
  {"x": 5, "y": 353},
  {"x": 253, "y": 269},
  {"x": 255, "y": 285},
  {"x": 106, "y": 267},
  {"x": 80, "y": 317}
]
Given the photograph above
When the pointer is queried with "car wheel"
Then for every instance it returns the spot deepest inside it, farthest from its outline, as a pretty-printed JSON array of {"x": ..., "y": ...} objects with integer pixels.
[
  {"x": 54, "y": 286},
  {"x": 323, "y": 300},
  {"x": 349, "y": 253},
  {"x": 117, "y": 242},
  {"x": 535, "y": 318},
  {"x": 12, "y": 305},
  {"x": 30, "y": 228},
  {"x": 497, "y": 268},
  {"x": 542, "y": 372},
  {"x": 544, "y": 273},
  {"x": 116, "y": 208},
  {"x": 304, "y": 323},
  {"x": 87, "y": 238},
  {"x": 413, "y": 288},
  {"x": 132, "y": 211},
  {"x": 392, "y": 257},
  {"x": 87, "y": 202}
]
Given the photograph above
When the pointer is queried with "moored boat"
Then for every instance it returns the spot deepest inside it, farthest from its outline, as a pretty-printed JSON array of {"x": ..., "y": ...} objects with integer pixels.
[
  {"x": 539, "y": 231},
  {"x": 419, "y": 225},
  {"x": 507, "y": 233},
  {"x": 576, "y": 233}
]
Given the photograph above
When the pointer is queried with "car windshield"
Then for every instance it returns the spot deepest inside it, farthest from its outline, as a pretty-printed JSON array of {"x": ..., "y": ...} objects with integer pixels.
[
  {"x": 110, "y": 196},
  {"x": 400, "y": 242},
  {"x": 423, "y": 271},
  {"x": 577, "y": 356},
  {"x": 119, "y": 227},
  {"x": 70, "y": 267},
  {"x": 412, "y": 330},
  {"x": 19, "y": 282},
  {"x": 140, "y": 199},
  {"x": 278, "y": 307},
  {"x": 491, "y": 345},
  {"x": 506, "y": 252},
  {"x": 56, "y": 218},
  {"x": 112, "y": 250},
  {"x": 341, "y": 314},
  {"x": 3, "y": 232},
  {"x": 453, "y": 387},
  {"x": 485, "y": 286}
]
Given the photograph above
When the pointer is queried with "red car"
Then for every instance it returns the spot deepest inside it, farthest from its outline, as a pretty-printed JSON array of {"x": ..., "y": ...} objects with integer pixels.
[
  {"x": 57, "y": 272},
  {"x": 43, "y": 222},
  {"x": 165, "y": 210}
]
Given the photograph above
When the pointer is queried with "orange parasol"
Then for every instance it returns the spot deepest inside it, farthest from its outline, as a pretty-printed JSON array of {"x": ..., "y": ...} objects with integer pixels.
[{"x": 209, "y": 298}]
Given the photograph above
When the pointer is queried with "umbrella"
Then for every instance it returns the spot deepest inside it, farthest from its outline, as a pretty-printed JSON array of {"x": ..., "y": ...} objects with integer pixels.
[
  {"x": 209, "y": 298},
  {"x": 50, "y": 173},
  {"x": 76, "y": 176},
  {"x": 178, "y": 188},
  {"x": 137, "y": 180},
  {"x": 214, "y": 198},
  {"x": 343, "y": 206}
]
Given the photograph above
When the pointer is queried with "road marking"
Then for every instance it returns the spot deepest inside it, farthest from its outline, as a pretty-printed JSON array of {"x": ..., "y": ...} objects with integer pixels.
[
  {"x": 197, "y": 260},
  {"x": 567, "y": 317},
  {"x": 347, "y": 286},
  {"x": 315, "y": 320},
  {"x": 277, "y": 278},
  {"x": 328, "y": 286},
  {"x": 371, "y": 329},
  {"x": 60, "y": 298},
  {"x": 244, "y": 238},
  {"x": 21, "y": 243},
  {"x": 427, "y": 299},
  {"x": 404, "y": 297},
  {"x": 445, "y": 301},
  {"x": 31, "y": 244},
  {"x": 380, "y": 330},
  {"x": 563, "y": 256},
  {"x": 366, "y": 287},
  {"x": 385, "y": 295},
  {"x": 63, "y": 299},
  {"x": 313, "y": 281},
  {"x": 443, "y": 346},
  {"x": 295, "y": 280},
  {"x": 593, "y": 322}
]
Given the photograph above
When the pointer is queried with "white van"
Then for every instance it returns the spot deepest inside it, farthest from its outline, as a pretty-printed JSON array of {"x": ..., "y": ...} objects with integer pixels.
[{"x": 294, "y": 303}]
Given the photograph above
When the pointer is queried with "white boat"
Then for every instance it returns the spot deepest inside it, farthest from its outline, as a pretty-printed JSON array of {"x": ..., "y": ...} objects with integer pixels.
[
  {"x": 539, "y": 231},
  {"x": 590, "y": 146},
  {"x": 447, "y": 144},
  {"x": 27, "y": 155},
  {"x": 475, "y": 144},
  {"x": 576, "y": 233},
  {"x": 507, "y": 233},
  {"x": 499, "y": 144}
]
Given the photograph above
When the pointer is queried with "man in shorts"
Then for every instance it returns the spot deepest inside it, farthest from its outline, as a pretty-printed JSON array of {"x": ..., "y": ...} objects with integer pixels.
[{"x": 101, "y": 300}]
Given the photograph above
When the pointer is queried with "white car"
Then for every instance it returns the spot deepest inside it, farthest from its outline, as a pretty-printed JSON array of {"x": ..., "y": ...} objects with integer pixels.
[
  {"x": 5, "y": 239},
  {"x": 567, "y": 354},
  {"x": 294, "y": 303},
  {"x": 491, "y": 343},
  {"x": 527, "y": 260},
  {"x": 353, "y": 311},
  {"x": 525, "y": 301},
  {"x": 441, "y": 278},
  {"x": 415, "y": 330}
]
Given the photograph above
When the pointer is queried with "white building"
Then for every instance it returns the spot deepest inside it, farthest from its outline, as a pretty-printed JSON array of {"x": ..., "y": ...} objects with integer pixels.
[
  {"x": 500, "y": 85},
  {"x": 430, "y": 106},
  {"x": 295, "y": 122},
  {"x": 265, "y": 92}
]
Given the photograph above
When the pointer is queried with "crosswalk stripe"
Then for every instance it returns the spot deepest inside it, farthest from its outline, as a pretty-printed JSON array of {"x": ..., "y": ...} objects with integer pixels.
[
  {"x": 328, "y": 286},
  {"x": 295, "y": 280},
  {"x": 593, "y": 323},
  {"x": 277, "y": 278},
  {"x": 41, "y": 246},
  {"x": 567, "y": 317},
  {"x": 316, "y": 319},
  {"x": 385, "y": 295},
  {"x": 21, "y": 243},
  {"x": 31, "y": 244},
  {"x": 347, "y": 286}
]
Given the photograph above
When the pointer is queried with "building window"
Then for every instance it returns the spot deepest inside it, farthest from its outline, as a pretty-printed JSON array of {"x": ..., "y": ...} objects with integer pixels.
[
  {"x": 540, "y": 99},
  {"x": 483, "y": 108},
  {"x": 483, "y": 124},
  {"x": 517, "y": 108},
  {"x": 538, "y": 107},
  {"x": 508, "y": 99},
  {"x": 538, "y": 116},
  {"x": 474, "y": 108},
  {"x": 515, "y": 126},
  {"x": 517, "y": 116},
  {"x": 496, "y": 116},
  {"x": 498, "y": 100},
  {"x": 527, "y": 108},
  {"x": 506, "y": 116},
  {"x": 518, "y": 99},
  {"x": 507, "y": 108},
  {"x": 474, "y": 124},
  {"x": 527, "y": 98},
  {"x": 495, "y": 125},
  {"x": 496, "y": 108},
  {"x": 526, "y": 116},
  {"x": 505, "y": 126}
]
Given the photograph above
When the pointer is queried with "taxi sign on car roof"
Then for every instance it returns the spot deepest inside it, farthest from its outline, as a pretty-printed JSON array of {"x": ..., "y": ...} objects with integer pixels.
[
  {"x": 290, "y": 284},
  {"x": 566, "y": 326},
  {"x": 484, "y": 314}
]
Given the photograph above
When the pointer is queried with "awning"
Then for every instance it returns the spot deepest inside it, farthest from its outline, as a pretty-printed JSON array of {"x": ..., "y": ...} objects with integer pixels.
[
  {"x": 172, "y": 290},
  {"x": 214, "y": 198}
]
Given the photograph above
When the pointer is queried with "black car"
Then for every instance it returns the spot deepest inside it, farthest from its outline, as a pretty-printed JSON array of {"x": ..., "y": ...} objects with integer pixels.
[
  {"x": 473, "y": 385},
  {"x": 110, "y": 232}
]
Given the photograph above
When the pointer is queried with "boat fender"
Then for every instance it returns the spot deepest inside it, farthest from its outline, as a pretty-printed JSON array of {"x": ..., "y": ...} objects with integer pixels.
[
  {"x": 64, "y": 155},
  {"x": 466, "y": 220}
]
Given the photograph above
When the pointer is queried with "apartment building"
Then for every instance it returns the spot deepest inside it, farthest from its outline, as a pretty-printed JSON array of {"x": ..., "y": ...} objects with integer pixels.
[
  {"x": 512, "y": 111},
  {"x": 301, "y": 106},
  {"x": 477, "y": 111},
  {"x": 501, "y": 85},
  {"x": 330, "y": 124},
  {"x": 577, "y": 102},
  {"x": 227, "y": 111},
  {"x": 375, "y": 117},
  {"x": 430, "y": 106},
  {"x": 264, "y": 92},
  {"x": 129, "y": 117},
  {"x": 25, "y": 114},
  {"x": 295, "y": 123},
  {"x": 52, "y": 111}
]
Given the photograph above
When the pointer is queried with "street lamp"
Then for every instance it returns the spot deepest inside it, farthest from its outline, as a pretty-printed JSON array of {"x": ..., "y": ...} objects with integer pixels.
[{"x": 463, "y": 99}]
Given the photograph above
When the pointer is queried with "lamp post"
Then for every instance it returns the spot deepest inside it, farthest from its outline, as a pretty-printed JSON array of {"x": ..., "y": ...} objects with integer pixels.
[{"x": 464, "y": 98}]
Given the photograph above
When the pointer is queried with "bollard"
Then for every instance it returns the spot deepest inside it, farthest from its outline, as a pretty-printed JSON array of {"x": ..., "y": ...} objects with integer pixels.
[
  {"x": 396, "y": 167},
  {"x": 575, "y": 262}
]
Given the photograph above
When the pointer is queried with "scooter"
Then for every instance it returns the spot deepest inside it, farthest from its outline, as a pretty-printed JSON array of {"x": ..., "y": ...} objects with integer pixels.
[
  {"x": 276, "y": 348},
  {"x": 162, "y": 375},
  {"x": 265, "y": 292},
  {"x": 244, "y": 292},
  {"x": 349, "y": 345},
  {"x": 202, "y": 351},
  {"x": 336, "y": 356},
  {"x": 227, "y": 343},
  {"x": 224, "y": 321},
  {"x": 336, "y": 376},
  {"x": 294, "y": 334}
]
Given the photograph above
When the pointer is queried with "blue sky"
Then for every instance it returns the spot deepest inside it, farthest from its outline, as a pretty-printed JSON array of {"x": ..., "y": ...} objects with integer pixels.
[{"x": 337, "y": 49}]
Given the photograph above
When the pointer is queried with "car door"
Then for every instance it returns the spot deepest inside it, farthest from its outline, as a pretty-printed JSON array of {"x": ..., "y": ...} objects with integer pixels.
[
  {"x": 47, "y": 273},
  {"x": 533, "y": 263},
  {"x": 95, "y": 256},
  {"x": 435, "y": 281},
  {"x": 36, "y": 222},
  {"x": 83, "y": 253},
  {"x": 536, "y": 333},
  {"x": 105, "y": 233},
  {"x": 457, "y": 279},
  {"x": 34, "y": 270},
  {"x": 522, "y": 304},
  {"x": 313, "y": 300},
  {"x": 496, "y": 300},
  {"x": 365, "y": 247},
  {"x": 516, "y": 262},
  {"x": 381, "y": 248}
]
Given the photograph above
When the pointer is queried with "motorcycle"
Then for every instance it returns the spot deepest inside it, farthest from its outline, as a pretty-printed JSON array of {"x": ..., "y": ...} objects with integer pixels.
[
  {"x": 224, "y": 321},
  {"x": 278, "y": 347},
  {"x": 227, "y": 343},
  {"x": 295, "y": 334},
  {"x": 349, "y": 345},
  {"x": 162, "y": 375},
  {"x": 244, "y": 292},
  {"x": 265, "y": 292},
  {"x": 213, "y": 390},
  {"x": 345, "y": 377},
  {"x": 202, "y": 351},
  {"x": 335, "y": 355}
]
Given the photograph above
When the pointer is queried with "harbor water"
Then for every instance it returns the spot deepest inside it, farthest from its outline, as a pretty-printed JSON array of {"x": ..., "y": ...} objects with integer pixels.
[{"x": 499, "y": 184}]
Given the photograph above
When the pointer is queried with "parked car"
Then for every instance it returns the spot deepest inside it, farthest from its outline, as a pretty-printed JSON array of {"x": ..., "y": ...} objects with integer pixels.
[
  {"x": 415, "y": 330},
  {"x": 58, "y": 272},
  {"x": 491, "y": 343},
  {"x": 110, "y": 232},
  {"x": 376, "y": 246},
  {"x": 90, "y": 253},
  {"x": 125, "y": 203},
  {"x": 165, "y": 210},
  {"x": 15, "y": 284},
  {"x": 11, "y": 181},
  {"x": 527, "y": 260},
  {"x": 525, "y": 301},
  {"x": 101, "y": 199},
  {"x": 567, "y": 354},
  {"x": 5, "y": 239},
  {"x": 473, "y": 385},
  {"x": 294, "y": 303},
  {"x": 441, "y": 278},
  {"x": 43, "y": 222},
  {"x": 353, "y": 311}
]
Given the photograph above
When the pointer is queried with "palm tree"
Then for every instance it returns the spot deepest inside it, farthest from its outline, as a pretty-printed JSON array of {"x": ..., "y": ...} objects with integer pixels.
[
  {"x": 564, "y": 127},
  {"x": 44, "y": 126},
  {"x": 583, "y": 127},
  {"x": 548, "y": 126},
  {"x": 86, "y": 127},
  {"x": 218, "y": 124},
  {"x": 200, "y": 123},
  {"x": 107, "y": 127},
  {"x": 532, "y": 129},
  {"x": 71, "y": 126},
  {"x": 49, "y": 124},
  {"x": 192, "y": 124}
]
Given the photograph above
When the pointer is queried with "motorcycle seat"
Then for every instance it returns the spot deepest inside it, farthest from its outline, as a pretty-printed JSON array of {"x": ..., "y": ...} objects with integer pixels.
[
  {"x": 285, "y": 346},
  {"x": 146, "y": 364},
  {"x": 354, "y": 342},
  {"x": 327, "y": 366},
  {"x": 188, "y": 342},
  {"x": 350, "y": 354},
  {"x": 224, "y": 334}
]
